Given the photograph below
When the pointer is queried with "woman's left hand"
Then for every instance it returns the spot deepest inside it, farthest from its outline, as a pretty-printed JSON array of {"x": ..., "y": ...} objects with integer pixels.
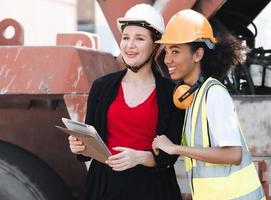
[{"x": 127, "y": 158}]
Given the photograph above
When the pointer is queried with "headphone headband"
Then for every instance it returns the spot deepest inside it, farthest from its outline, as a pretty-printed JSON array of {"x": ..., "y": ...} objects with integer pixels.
[{"x": 192, "y": 89}]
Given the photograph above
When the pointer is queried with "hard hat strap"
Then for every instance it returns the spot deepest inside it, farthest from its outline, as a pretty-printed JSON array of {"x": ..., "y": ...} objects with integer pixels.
[{"x": 208, "y": 43}]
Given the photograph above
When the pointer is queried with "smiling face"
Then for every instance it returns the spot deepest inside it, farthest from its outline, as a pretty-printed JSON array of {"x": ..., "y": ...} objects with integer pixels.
[
  {"x": 136, "y": 45},
  {"x": 182, "y": 63}
]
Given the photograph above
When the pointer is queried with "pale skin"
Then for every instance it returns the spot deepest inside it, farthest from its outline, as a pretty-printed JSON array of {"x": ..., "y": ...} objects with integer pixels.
[
  {"x": 136, "y": 46},
  {"x": 185, "y": 65}
]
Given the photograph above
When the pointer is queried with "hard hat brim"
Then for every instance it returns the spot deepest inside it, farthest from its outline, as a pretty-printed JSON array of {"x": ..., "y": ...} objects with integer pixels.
[
  {"x": 122, "y": 20},
  {"x": 209, "y": 43}
]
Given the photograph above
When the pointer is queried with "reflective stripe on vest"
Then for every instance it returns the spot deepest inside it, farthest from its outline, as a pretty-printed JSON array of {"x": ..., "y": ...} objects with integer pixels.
[{"x": 218, "y": 181}]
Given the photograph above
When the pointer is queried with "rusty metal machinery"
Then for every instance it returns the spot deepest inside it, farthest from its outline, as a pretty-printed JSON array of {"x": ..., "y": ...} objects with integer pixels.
[{"x": 39, "y": 85}]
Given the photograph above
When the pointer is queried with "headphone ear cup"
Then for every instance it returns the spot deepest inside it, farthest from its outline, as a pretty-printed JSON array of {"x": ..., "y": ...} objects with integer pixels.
[{"x": 179, "y": 91}]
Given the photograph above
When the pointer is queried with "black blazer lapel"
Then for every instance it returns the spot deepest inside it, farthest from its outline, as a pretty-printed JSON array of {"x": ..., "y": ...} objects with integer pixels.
[
  {"x": 163, "y": 101},
  {"x": 109, "y": 93}
]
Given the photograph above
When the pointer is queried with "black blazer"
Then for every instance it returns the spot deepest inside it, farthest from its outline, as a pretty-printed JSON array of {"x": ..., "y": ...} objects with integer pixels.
[{"x": 170, "y": 119}]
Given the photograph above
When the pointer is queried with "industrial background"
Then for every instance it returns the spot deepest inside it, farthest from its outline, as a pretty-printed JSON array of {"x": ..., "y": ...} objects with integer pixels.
[{"x": 52, "y": 50}]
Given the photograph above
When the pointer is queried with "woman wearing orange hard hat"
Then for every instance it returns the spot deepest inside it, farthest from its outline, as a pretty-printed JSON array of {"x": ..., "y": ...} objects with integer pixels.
[{"x": 217, "y": 159}]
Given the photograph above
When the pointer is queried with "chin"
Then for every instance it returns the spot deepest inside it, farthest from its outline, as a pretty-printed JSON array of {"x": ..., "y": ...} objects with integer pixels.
[
  {"x": 131, "y": 63},
  {"x": 174, "y": 77}
]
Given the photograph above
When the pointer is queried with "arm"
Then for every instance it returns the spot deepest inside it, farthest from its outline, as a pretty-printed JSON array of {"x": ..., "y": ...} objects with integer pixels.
[
  {"x": 128, "y": 158},
  {"x": 173, "y": 132},
  {"x": 216, "y": 155}
]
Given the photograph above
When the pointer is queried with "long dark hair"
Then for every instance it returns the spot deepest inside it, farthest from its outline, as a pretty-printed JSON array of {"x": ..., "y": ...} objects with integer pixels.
[{"x": 227, "y": 53}]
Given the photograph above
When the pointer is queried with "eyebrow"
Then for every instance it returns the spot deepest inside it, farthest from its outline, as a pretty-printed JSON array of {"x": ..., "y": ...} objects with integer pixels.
[
  {"x": 172, "y": 47},
  {"x": 138, "y": 34}
]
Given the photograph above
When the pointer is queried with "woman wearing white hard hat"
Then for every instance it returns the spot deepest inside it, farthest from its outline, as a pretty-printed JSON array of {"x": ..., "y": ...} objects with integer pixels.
[
  {"x": 128, "y": 109},
  {"x": 217, "y": 159}
]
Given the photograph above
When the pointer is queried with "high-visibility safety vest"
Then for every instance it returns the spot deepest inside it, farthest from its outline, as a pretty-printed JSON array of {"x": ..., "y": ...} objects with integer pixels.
[{"x": 217, "y": 181}]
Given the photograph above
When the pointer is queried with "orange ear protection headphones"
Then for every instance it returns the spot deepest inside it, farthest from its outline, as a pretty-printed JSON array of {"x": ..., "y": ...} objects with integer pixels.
[{"x": 183, "y": 94}]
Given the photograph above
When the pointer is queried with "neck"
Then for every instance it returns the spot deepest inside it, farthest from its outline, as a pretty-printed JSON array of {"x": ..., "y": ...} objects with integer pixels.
[
  {"x": 143, "y": 76},
  {"x": 193, "y": 76}
]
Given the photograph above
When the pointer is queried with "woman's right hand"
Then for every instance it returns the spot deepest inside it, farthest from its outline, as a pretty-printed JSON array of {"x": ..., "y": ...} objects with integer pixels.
[
  {"x": 163, "y": 143},
  {"x": 76, "y": 145}
]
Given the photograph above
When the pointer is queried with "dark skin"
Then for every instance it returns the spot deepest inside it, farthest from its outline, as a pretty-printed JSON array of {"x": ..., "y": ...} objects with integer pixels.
[{"x": 185, "y": 65}]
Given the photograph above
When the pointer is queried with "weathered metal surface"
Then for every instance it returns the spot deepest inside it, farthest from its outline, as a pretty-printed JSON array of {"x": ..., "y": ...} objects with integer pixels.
[
  {"x": 263, "y": 166},
  {"x": 169, "y": 8},
  {"x": 29, "y": 122},
  {"x": 76, "y": 106},
  {"x": 208, "y": 7},
  {"x": 40, "y": 85},
  {"x": 182, "y": 179},
  {"x": 78, "y": 39},
  {"x": 254, "y": 114},
  {"x": 51, "y": 70},
  {"x": 17, "y": 38}
]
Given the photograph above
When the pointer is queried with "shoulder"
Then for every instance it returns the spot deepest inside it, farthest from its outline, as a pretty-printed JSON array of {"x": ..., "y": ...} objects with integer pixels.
[
  {"x": 164, "y": 83},
  {"x": 215, "y": 90},
  {"x": 222, "y": 117},
  {"x": 219, "y": 99},
  {"x": 167, "y": 82},
  {"x": 217, "y": 93},
  {"x": 108, "y": 79}
]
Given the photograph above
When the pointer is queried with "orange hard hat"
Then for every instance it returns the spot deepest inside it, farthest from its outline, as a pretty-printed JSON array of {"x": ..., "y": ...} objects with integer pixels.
[{"x": 188, "y": 26}]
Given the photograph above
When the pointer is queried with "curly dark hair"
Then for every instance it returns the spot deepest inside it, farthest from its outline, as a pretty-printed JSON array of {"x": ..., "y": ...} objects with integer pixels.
[{"x": 227, "y": 54}]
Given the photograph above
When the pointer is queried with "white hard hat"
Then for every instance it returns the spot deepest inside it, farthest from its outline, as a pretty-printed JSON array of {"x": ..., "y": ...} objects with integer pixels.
[{"x": 143, "y": 13}]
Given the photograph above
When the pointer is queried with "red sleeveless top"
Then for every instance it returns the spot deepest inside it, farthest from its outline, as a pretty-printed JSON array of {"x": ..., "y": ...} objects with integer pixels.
[{"x": 132, "y": 127}]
